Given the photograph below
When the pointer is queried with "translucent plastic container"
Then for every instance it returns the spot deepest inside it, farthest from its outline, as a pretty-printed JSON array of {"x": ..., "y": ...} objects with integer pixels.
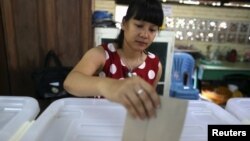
[
  {"x": 14, "y": 113},
  {"x": 240, "y": 108},
  {"x": 79, "y": 119},
  {"x": 199, "y": 115}
]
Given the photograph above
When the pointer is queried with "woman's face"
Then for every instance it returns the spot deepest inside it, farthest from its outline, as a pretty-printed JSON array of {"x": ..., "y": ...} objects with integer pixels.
[{"x": 139, "y": 34}]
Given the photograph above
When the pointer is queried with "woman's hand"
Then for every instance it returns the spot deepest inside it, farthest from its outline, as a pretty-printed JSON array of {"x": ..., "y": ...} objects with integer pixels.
[{"x": 138, "y": 96}]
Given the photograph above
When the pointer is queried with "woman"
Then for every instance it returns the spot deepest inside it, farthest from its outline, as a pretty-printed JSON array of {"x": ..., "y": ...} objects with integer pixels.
[{"x": 128, "y": 74}]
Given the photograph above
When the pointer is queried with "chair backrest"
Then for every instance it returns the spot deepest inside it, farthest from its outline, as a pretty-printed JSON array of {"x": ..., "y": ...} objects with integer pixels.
[{"x": 182, "y": 69}]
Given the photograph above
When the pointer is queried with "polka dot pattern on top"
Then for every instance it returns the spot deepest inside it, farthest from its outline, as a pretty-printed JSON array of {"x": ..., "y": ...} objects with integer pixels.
[{"x": 115, "y": 68}]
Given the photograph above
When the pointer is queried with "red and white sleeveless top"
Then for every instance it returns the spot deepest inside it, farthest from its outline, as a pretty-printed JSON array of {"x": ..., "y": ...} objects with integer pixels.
[{"x": 115, "y": 68}]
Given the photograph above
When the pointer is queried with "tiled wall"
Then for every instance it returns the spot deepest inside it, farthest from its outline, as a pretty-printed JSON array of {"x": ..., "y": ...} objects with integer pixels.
[{"x": 226, "y": 28}]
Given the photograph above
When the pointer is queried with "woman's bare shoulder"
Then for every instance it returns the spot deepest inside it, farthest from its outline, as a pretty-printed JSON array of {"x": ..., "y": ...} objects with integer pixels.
[{"x": 97, "y": 51}]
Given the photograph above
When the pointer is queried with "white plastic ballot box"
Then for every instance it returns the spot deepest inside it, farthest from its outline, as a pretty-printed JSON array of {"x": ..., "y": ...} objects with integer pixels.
[
  {"x": 86, "y": 119},
  {"x": 240, "y": 108},
  {"x": 199, "y": 115},
  {"x": 15, "y": 112},
  {"x": 79, "y": 119}
]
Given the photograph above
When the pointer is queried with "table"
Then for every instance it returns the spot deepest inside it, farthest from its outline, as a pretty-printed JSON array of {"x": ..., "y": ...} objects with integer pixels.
[
  {"x": 217, "y": 71},
  {"x": 223, "y": 72}
]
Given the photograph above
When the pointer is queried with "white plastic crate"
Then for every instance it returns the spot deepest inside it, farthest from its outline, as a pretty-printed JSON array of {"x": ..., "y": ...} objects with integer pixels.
[
  {"x": 83, "y": 119},
  {"x": 199, "y": 115},
  {"x": 15, "y": 112},
  {"x": 79, "y": 119},
  {"x": 240, "y": 108}
]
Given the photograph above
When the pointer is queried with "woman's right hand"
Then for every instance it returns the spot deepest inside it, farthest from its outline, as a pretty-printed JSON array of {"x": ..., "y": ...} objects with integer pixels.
[{"x": 138, "y": 96}]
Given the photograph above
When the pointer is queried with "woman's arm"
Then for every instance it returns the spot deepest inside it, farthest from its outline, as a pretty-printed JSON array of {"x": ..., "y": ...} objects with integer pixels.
[
  {"x": 138, "y": 96},
  {"x": 80, "y": 81}
]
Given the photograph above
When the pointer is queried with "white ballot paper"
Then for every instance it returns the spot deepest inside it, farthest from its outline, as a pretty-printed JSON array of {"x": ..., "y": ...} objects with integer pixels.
[{"x": 167, "y": 126}]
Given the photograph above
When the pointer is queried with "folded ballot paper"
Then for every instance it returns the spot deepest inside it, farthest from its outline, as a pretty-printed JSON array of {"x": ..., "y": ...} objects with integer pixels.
[{"x": 166, "y": 126}]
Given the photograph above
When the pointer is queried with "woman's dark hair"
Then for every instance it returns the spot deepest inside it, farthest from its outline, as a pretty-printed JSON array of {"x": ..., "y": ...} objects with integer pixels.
[{"x": 146, "y": 10}]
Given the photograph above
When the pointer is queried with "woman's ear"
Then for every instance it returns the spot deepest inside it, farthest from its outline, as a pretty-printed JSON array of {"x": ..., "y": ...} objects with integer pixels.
[{"x": 123, "y": 23}]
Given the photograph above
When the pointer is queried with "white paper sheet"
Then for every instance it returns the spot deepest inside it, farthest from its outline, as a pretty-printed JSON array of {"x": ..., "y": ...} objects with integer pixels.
[{"x": 167, "y": 126}]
